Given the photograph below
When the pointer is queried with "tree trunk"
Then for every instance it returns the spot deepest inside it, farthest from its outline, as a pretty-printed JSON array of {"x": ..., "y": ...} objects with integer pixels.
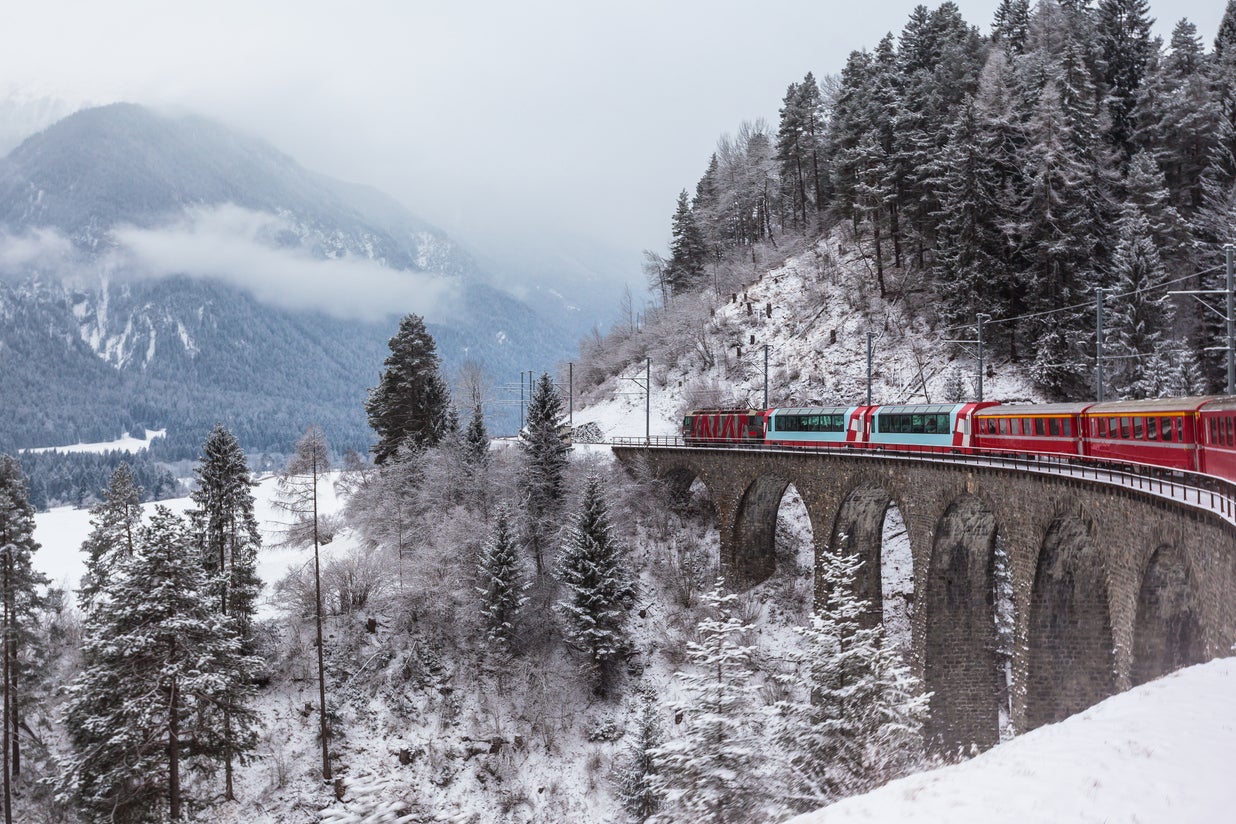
[
  {"x": 324, "y": 733},
  {"x": 8, "y": 792},
  {"x": 173, "y": 747}
]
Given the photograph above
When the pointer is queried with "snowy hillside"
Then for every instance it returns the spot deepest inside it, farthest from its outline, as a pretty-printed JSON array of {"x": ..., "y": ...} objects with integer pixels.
[
  {"x": 813, "y": 312},
  {"x": 1160, "y": 752}
]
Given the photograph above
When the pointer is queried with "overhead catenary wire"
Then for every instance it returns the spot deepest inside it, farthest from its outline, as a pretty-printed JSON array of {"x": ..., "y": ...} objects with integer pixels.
[{"x": 1086, "y": 305}]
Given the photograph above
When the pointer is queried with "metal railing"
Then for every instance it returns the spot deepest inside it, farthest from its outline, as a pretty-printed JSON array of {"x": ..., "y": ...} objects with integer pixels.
[{"x": 1196, "y": 490}]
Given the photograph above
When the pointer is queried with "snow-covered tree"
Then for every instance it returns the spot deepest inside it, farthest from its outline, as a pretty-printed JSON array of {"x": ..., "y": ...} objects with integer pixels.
[
  {"x": 687, "y": 254},
  {"x": 714, "y": 769},
  {"x": 599, "y": 587},
  {"x": 159, "y": 657},
  {"x": 228, "y": 537},
  {"x": 858, "y": 717},
  {"x": 113, "y": 531},
  {"x": 543, "y": 477},
  {"x": 1139, "y": 314},
  {"x": 22, "y": 601},
  {"x": 637, "y": 784},
  {"x": 502, "y": 587},
  {"x": 298, "y": 497},
  {"x": 410, "y": 402}
]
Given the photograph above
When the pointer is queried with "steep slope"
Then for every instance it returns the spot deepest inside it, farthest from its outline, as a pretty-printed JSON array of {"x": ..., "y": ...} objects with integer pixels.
[
  {"x": 813, "y": 311},
  {"x": 167, "y": 271}
]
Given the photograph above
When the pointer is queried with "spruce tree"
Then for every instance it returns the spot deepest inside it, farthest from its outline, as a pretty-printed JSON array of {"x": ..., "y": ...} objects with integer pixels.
[
  {"x": 1125, "y": 50},
  {"x": 637, "y": 778},
  {"x": 687, "y": 254},
  {"x": 158, "y": 658},
  {"x": 1138, "y": 313},
  {"x": 502, "y": 586},
  {"x": 857, "y": 718},
  {"x": 22, "y": 601},
  {"x": 114, "y": 523},
  {"x": 599, "y": 589},
  {"x": 714, "y": 769},
  {"x": 410, "y": 402},
  {"x": 227, "y": 533},
  {"x": 543, "y": 473}
]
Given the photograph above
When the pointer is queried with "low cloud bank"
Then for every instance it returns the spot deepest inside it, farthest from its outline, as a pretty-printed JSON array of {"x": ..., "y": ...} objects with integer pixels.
[{"x": 255, "y": 251}]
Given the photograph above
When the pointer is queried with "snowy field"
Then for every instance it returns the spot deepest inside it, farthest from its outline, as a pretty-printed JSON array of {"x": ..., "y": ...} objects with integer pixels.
[
  {"x": 61, "y": 531},
  {"x": 126, "y": 443},
  {"x": 1160, "y": 753}
]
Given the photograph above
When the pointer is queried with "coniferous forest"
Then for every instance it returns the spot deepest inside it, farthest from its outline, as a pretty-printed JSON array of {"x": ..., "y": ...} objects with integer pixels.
[{"x": 1015, "y": 174}]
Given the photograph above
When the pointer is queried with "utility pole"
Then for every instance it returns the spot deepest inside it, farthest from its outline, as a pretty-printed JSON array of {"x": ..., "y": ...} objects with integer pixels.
[
  {"x": 766, "y": 376},
  {"x": 1229, "y": 317},
  {"x": 1231, "y": 327},
  {"x": 521, "y": 400},
  {"x": 870, "y": 335},
  {"x": 1098, "y": 344},
  {"x": 571, "y": 395},
  {"x": 648, "y": 401},
  {"x": 982, "y": 316}
]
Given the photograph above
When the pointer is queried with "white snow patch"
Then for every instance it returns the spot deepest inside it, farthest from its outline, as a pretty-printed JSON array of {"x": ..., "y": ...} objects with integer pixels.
[
  {"x": 125, "y": 443},
  {"x": 1160, "y": 752}
]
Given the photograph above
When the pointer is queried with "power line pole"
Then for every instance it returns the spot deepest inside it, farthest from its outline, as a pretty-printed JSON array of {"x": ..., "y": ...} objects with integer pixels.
[
  {"x": 766, "y": 376},
  {"x": 870, "y": 335},
  {"x": 982, "y": 316},
  {"x": 571, "y": 394},
  {"x": 1231, "y": 327},
  {"x": 1098, "y": 338},
  {"x": 648, "y": 401}
]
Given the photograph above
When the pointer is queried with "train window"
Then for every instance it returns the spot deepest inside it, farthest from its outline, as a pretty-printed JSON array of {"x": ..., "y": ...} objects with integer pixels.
[
  {"x": 1137, "y": 428},
  {"x": 1113, "y": 427},
  {"x": 1053, "y": 427},
  {"x": 1166, "y": 426},
  {"x": 1125, "y": 427},
  {"x": 1152, "y": 429},
  {"x": 1040, "y": 426},
  {"x": 1210, "y": 431},
  {"x": 1100, "y": 427},
  {"x": 1004, "y": 426}
]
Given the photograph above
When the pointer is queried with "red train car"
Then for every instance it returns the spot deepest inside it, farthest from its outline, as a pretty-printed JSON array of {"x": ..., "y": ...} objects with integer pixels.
[
  {"x": 1031, "y": 429},
  {"x": 1162, "y": 431},
  {"x": 723, "y": 426},
  {"x": 1217, "y": 437}
]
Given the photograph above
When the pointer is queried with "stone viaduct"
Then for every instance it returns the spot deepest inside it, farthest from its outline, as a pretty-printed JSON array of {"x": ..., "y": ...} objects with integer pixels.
[{"x": 1111, "y": 586}]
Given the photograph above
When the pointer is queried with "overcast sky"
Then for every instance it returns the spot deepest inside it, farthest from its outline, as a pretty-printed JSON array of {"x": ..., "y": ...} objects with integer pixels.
[{"x": 495, "y": 120}]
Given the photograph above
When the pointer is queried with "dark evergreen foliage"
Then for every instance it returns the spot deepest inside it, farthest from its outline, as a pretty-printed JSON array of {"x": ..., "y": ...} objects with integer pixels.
[
  {"x": 114, "y": 524},
  {"x": 543, "y": 476},
  {"x": 502, "y": 587},
  {"x": 411, "y": 401},
  {"x": 600, "y": 589}
]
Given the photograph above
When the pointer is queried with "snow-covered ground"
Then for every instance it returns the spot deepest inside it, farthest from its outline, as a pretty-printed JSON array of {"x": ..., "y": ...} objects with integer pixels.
[
  {"x": 1162, "y": 752},
  {"x": 126, "y": 443},
  {"x": 61, "y": 531}
]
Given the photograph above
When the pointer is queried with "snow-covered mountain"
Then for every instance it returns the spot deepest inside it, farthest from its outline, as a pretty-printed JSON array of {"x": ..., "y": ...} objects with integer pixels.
[{"x": 168, "y": 271}]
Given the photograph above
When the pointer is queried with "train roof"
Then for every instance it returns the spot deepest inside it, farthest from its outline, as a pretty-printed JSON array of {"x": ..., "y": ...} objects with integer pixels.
[
  {"x": 726, "y": 412},
  {"x": 1029, "y": 409},
  {"x": 919, "y": 409},
  {"x": 1223, "y": 403},
  {"x": 1154, "y": 406},
  {"x": 811, "y": 410}
]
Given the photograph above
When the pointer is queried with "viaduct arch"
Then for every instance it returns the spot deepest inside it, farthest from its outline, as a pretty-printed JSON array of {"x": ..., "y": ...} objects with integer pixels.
[{"x": 1107, "y": 586}]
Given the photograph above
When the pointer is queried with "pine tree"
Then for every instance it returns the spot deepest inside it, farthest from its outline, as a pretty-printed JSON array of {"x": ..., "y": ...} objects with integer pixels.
[
  {"x": 858, "y": 720},
  {"x": 1138, "y": 314},
  {"x": 476, "y": 440},
  {"x": 410, "y": 402},
  {"x": 158, "y": 657},
  {"x": 600, "y": 589},
  {"x": 637, "y": 777},
  {"x": 502, "y": 586},
  {"x": 685, "y": 268},
  {"x": 227, "y": 533},
  {"x": 1011, "y": 25},
  {"x": 298, "y": 496},
  {"x": 22, "y": 601},
  {"x": 714, "y": 770},
  {"x": 114, "y": 523},
  {"x": 1125, "y": 50},
  {"x": 543, "y": 476}
]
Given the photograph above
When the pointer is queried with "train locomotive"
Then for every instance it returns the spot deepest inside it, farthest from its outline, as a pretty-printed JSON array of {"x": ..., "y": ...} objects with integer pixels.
[{"x": 1194, "y": 434}]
